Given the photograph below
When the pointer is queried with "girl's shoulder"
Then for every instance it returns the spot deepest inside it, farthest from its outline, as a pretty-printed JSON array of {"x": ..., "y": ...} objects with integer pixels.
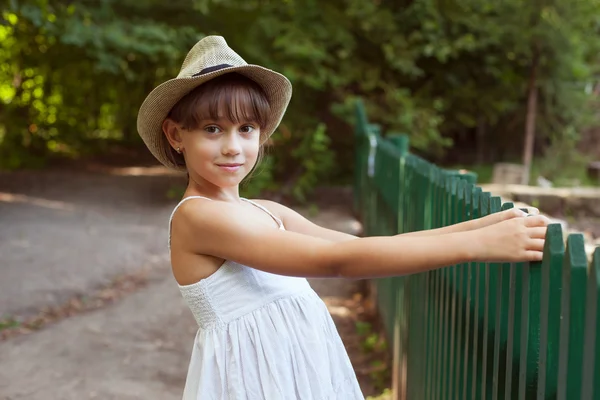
[
  {"x": 191, "y": 205},
  {"x": 278, "y": 209},
  {"x": 203, "y": 214},
  {"x": 228, "y": 231}
]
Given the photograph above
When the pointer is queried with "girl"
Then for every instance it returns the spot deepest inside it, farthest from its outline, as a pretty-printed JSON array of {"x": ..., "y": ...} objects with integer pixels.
[{"x": 241, "y": 264}]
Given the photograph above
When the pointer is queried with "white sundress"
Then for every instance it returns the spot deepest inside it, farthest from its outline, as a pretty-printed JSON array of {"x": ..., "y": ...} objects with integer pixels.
[{"x": 263, "y": 336}]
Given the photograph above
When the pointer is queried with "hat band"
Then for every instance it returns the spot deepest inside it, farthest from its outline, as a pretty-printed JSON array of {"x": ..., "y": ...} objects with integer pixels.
[{"x": 212, "y": 69}]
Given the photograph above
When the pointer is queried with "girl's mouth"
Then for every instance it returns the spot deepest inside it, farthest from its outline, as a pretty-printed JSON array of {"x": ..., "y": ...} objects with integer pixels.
[{"x": 230, "y": 167}]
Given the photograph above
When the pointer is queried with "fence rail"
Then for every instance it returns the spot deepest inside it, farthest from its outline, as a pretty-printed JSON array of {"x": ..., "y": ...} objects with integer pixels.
[{"x": 475, "y": 330}]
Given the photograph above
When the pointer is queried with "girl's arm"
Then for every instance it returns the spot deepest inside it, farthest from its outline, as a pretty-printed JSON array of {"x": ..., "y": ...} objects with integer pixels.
[
  {"x": 295, "y": 222},
  {"x": 223, "y": 230},
  {"x": 476, "y": 223}
]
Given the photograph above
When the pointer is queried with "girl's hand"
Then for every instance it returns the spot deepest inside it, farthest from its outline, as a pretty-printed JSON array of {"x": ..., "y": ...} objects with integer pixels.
[
  {"x": 505, "y": 215},
  {"x": 513, "y": 240}
]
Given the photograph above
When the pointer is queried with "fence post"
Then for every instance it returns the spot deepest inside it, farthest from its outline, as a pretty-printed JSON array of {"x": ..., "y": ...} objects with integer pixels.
[
  {"x": 360, "y": 136},
  {"x": 369, "y": 195},
  {"x": 401, "y": 142}
]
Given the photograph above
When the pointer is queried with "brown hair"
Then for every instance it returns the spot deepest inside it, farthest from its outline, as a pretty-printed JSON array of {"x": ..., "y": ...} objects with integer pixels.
[{"x": 231, "y": 96}]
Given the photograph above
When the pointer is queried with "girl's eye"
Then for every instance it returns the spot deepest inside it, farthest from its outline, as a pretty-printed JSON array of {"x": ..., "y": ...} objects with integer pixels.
[
  {"x": 212, "y": 129},
  {"x": 247, "y": 129}
]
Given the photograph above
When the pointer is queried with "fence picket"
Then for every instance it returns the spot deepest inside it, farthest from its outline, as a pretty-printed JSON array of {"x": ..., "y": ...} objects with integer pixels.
[
  {"x": 489, "y": 306},
  {"x": 510, "y": 341},
  {"x": 589, "y": 342},
  {"x": 459, "y": 209},
  {"x": 570, "y": 273},
  {"x": 596, "y": 277},
  {"x": 578, "y": 269},
  {"x": 554, "y": 251}
]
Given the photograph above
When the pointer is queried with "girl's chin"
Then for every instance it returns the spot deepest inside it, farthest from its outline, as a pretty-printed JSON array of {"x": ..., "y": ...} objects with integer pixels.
[
  {"x": 221, "y": 181},
  {"x": 229, "y": 182}
]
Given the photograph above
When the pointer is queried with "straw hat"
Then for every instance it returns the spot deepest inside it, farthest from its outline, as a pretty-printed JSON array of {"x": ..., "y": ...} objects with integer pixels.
[{"x": 209, "y": 58}]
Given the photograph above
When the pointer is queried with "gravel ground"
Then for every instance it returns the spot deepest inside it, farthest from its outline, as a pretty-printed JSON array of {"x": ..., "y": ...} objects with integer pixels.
[{"x": 64, "y": 234}]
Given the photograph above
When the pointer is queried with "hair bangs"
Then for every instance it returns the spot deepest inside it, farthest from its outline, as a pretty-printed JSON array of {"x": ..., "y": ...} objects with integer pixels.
[
  {"x": 237, "y": 104},
  {"x": 231, "y": 97}
]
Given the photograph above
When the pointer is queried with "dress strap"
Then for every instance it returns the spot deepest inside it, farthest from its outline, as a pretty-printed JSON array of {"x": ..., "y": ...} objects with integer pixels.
[
  {"x": 279, "y": 222},
  {"x": 175, "y": 209}
]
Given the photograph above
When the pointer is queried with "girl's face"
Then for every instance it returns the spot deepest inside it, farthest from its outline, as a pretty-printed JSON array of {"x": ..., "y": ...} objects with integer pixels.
[
  {"x": 217, "y": 128},
  {"x": 221, "y": 152}
]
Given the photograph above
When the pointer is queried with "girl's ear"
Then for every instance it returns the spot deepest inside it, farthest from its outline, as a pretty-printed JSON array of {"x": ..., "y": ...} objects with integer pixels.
[{"x": 171, "y": 131}]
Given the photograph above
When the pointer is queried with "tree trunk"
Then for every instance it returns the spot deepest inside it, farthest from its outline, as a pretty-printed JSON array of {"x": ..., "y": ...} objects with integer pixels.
[{"x": 530, "y": 121}]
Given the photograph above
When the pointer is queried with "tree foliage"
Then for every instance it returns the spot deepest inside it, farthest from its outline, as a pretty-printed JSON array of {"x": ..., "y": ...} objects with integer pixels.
[{"x": 73, "y": 74}]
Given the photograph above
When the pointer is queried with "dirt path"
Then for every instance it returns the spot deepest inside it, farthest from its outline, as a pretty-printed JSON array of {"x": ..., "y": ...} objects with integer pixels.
[
  {"x": 67, "y": 234},
  {"x": 64, "y": 233}
]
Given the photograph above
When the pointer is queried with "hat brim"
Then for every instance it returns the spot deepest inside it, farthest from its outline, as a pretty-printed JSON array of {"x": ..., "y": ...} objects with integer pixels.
[{"x": 161, "y": 100}]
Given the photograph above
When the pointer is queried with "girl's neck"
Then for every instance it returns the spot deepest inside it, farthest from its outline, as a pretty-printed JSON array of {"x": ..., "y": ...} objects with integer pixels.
[{"x": 204, "y": 189}]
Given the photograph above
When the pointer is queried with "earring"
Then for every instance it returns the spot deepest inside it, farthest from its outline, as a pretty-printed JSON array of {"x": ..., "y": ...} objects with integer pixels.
[{"x": 178, "y": 150}]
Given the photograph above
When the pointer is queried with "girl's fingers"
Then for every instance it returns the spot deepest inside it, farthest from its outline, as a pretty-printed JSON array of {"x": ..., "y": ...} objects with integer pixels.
[
  {"x": 515, "y": 213},
  {"x": 537, "y": 220},
  {"x": 538, "y": 232},
  {"x": 532, "y": 211},
  {"x": 536, "y": 244},
  {"x": 521, "y": 212},
  {"x": 534, "y": 255}
]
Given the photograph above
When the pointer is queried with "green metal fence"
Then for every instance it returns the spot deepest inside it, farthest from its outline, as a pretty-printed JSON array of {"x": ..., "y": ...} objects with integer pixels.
[{"x": 474, "y": 330}]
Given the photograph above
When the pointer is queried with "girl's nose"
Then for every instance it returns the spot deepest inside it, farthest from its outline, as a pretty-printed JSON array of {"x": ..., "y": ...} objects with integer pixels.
[{"x": 231, "y": 144}]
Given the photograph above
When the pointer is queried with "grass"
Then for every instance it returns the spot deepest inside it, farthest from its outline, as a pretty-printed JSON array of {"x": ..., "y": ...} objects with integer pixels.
[
  {"x": 374, "y": 343},
  {"x": 8, "y": 322},
  {"x": 386, "y": 395}
]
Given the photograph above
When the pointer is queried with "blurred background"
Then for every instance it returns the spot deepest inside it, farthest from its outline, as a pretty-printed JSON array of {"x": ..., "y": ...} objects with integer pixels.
[
  {"x": 483, "y": 85},
  {"x": 461, "y": 77}
]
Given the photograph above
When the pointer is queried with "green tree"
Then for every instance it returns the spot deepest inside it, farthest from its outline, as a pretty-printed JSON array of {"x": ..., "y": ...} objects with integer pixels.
[{"x": 462, "y": 72}]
